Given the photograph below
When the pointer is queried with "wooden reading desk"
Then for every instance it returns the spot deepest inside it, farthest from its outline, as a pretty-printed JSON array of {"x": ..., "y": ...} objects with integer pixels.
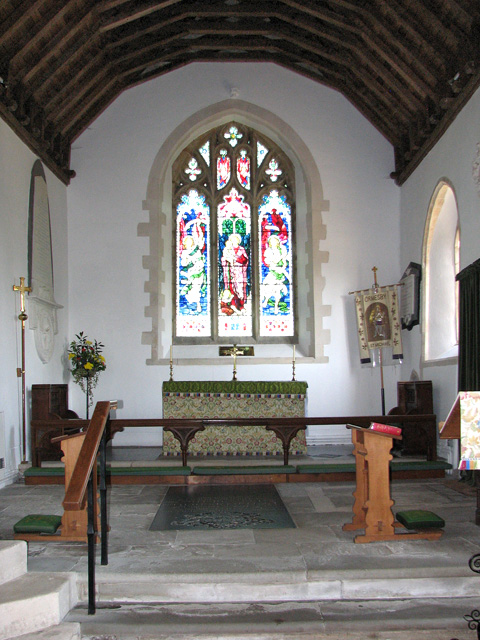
[{"x": 372, "y": 509}]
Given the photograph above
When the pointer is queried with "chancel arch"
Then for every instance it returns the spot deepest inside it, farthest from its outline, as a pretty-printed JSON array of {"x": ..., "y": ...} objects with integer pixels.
[
  {"x": 311, "y": 337},
  {"x": 441, "y": 246}
]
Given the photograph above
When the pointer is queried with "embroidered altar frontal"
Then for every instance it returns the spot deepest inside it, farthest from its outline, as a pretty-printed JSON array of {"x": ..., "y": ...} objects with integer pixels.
[{"x": 234, "y": 399}]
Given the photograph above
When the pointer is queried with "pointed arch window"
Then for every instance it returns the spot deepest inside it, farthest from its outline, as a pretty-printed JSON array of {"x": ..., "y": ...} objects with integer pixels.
[
  {"x": 233, "y": 200},
  {"x": 441, "y": 265}
]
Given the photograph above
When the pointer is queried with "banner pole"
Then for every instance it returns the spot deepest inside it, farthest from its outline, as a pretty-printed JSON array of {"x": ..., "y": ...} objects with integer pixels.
[{"x": 382, "y": 387}]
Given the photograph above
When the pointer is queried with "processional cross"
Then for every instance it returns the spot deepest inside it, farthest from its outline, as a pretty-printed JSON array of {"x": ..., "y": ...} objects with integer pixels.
[
  {"x": 236, "y": 351},
  {"x": 22, "y": 289}
]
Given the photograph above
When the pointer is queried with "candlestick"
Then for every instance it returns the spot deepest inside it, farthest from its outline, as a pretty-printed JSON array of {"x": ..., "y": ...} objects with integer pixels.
[
  {"x": 171, "y": 363},
  {"x": 293, "y": 365}
]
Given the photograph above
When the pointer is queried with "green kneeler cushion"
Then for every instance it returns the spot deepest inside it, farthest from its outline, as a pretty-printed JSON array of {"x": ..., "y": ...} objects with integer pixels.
[
  {"x": 44, "y": 471},
  {"x": 248, "y": 470},
  {"x": 149, "y": 471},
  {"x": 343, "y": 467},
  {"x": 420, "y": 519},
  {"x": 38, "y": 524}
]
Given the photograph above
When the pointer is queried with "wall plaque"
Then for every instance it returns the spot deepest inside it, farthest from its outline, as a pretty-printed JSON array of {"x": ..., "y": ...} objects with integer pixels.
[
  {"x": 42, "y": 305},
  {"x": 410, "y": 296}
]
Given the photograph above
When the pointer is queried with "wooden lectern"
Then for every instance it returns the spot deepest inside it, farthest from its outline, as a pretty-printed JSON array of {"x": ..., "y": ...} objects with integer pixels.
[
  {"x": 372, "y": 509},
  {"x": 74, "y": 523}
]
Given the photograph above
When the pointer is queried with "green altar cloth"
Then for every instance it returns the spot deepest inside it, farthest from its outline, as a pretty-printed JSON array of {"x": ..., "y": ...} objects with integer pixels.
[{"x": 234, "y": 399}]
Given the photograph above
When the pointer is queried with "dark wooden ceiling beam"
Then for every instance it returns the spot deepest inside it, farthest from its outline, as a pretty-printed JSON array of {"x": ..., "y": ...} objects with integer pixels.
[
  {"x": 134, "y": 11},
  {"x": 344, "y": 81},
  {"x": 42, "y": 37},
  {"x": 68, "y": 39},
  {"x": 225, "y": 46},
  {"x": 423, "y": 24},
  {"x": 353, "y": 46},
  {"x": 230, "y": 34},
  {"x": 377, "y": 38},
  {"x": 80, "y": 76},
  {"x": 69, "y": 104},
  {"x": 405, "y": 167},
  {"x": 45, "y": 79},
  {"x": 162, "y": 58},
  {"x": 99, "y": 95},
  {"x": 16, "y": 25},
  {"x": 377, "y": 48},
  {"x": 455, "y": 12},
  {"x": 420, "y": 86},
  {"x": 406, "y": 65}
]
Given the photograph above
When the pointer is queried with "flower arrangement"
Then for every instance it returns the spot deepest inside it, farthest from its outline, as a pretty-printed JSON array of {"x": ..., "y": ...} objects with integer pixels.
[{"x": 87, "y": 361}]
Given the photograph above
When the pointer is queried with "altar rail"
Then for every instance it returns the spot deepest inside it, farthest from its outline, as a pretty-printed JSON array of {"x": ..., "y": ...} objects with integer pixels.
[{"x": 284, "y": 428}]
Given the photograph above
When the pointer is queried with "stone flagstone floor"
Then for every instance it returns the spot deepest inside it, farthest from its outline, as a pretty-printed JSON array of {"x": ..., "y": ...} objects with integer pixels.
[{"x": 257, "y": 562}]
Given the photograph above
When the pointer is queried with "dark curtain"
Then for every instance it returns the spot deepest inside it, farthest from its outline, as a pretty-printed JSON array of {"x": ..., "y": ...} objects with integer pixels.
[
  {"x": 469, "y": 328},
  {"x": 469, "y": 348}
]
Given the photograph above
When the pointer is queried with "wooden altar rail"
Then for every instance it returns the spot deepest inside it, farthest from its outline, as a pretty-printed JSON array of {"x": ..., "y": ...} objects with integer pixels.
[{"x": 284, "y": 428}]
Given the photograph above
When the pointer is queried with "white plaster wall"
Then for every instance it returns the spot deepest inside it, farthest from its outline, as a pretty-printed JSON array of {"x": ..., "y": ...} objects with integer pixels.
[
  {"x": 452, "y": 159},
  {"x": 16, "y": 162},
  {"x": 113, "y": 160}
]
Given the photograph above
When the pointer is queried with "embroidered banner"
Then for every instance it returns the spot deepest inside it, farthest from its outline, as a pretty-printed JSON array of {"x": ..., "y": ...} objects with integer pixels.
[
  {"x": 469, "y": 429},
  {"x": 378, "y": 322}
]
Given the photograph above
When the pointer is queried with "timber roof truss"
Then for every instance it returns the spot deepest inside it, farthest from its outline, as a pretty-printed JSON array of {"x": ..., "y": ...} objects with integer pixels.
[{"x": 408, "y": 66}]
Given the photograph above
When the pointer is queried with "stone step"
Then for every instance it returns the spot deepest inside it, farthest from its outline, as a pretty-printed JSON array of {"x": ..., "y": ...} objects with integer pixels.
[
  {"x": 13, "y": 559},
  {"x": 35, "y": 601},
  {"x": 439, "y": 619},
  {"x": 274, "y": 586},
  {"x": 444, "y": 634},
  {"x": 386, "y": 635},
  {"x": 63, "y": 631}
]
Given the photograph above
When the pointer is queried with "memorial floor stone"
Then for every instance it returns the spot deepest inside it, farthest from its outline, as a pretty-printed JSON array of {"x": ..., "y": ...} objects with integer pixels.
[{"x": 222, "y": 507}]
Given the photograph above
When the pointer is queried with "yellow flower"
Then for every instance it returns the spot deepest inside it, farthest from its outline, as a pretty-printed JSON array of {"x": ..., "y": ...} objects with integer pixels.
[
  {"x": 88, "y": 366},
  {"x": 88, "y": 342},
  {"x": 71, "y": 356}
]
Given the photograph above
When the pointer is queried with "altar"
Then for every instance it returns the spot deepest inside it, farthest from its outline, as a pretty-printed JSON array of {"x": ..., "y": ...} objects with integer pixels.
[{"x": 234, "y": 399}]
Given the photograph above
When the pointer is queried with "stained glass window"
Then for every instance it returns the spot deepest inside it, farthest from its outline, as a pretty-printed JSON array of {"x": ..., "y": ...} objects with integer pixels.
[
  {"x": 233, "y": 136},
  {"x": 192, "y": 269},
  {"x": 234, "y": 266},
  {"x": 261, "y": 153},
  {"x": 273, "y": 171},
  {"x": 205, "y": 152},
  {"x": 243, "y": 169},
  {"x": 223, "y": 169},
  {"x": 234, "y": 259},
  {"x": 192, "y": 170},
  {"x": 275, "y": 265}
]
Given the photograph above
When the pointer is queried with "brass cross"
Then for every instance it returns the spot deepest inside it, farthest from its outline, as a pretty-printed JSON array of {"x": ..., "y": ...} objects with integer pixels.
[
  {"x": 22, "y": 289},
  {"x": 21, "y": 370},
  {"x": 236, "y": 351}
]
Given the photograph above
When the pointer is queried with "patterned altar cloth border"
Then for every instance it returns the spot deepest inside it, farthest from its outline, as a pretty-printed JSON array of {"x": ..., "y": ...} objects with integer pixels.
[{"x": 214, "y": 400}]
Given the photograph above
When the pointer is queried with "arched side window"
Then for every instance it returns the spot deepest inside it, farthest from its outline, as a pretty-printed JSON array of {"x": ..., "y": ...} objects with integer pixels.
[
  {"x": 441, "y": 264},
  {"x": 233, "y": 201}
]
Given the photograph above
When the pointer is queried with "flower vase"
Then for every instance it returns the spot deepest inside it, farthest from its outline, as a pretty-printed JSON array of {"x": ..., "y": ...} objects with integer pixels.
[
  {"x": 87, "y": 393},
  {"x": 87, "y": 388}
]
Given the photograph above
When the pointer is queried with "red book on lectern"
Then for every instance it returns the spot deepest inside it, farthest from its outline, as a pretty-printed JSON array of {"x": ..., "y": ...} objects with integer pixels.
[{"x": 386, "y": 428}]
